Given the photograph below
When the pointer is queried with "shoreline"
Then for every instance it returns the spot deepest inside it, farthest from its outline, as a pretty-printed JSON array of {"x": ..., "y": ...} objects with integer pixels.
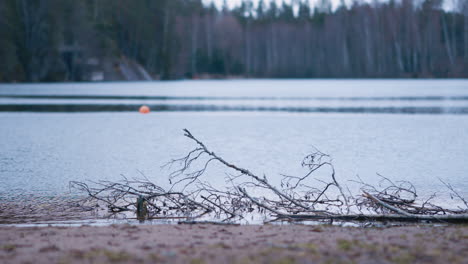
[{"x": 208, "y": 243}]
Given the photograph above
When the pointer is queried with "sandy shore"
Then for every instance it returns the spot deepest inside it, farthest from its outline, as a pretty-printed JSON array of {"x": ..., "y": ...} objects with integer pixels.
[{"x": 233, "y": 244}]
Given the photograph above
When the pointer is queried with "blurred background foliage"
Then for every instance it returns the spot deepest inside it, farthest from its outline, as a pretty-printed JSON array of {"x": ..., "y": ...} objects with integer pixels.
[{"x": 69, "y": 40}]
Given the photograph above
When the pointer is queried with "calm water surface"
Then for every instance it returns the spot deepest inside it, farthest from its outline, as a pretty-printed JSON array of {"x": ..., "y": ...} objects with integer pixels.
[{"x": 405, "y": 130}]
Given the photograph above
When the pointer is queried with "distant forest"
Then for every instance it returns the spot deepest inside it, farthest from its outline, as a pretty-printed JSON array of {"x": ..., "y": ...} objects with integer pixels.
[{"x": 70, "y": 40}]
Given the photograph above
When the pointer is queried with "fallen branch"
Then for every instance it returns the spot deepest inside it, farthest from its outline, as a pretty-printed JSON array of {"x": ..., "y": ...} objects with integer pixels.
[
  {"x": 392, "y": 208},
  {"x": 300, "y": 198},
  {"x": 452, "y": 219}
]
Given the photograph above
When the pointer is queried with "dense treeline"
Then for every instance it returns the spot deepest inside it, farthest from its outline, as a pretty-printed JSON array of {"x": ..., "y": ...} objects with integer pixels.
[{"x": 66, "y": 40}]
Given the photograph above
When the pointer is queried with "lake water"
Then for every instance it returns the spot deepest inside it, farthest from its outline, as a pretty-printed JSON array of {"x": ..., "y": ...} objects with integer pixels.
[{"x": 51, "y": 134}]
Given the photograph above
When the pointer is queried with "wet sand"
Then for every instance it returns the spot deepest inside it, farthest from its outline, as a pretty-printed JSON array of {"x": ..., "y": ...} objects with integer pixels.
[
  {"x": 34, "y": 209},
  {"x": 206, "y": 243}
]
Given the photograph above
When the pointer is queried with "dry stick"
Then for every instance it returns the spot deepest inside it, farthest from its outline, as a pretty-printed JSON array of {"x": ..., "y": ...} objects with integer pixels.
[
  {"x": 339, "y": 188},
  {"x": 461, "y": 218},
  {"x": 182, "y": 195},
  {"x": 392, "y": 208},
  {"x": 244, "y": 171},
  {"x": 244, "y": 192},
  {"x": 450, "y": 187},
  {"x": 454, "y": 219},
  {"x": 221, "y": 208},
  {"x": 85, "y": 187},
  {"x": 207, "y": 223},
  {"x": 362, "y": 217}
]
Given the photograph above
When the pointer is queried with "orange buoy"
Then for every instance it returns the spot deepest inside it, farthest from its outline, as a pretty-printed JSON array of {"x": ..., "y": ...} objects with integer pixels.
[{"x": 144, "y": 109}]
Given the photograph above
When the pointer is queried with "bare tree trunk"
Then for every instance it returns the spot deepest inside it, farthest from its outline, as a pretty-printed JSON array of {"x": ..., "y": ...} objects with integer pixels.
[
  {"x": 247, "y": 44},
  {"x": 209, "y": 35},
  {"x": 34, "y": 39},
  {"x": 274, "y": 50},
  {"x": 465, "y": 18},
  {"x": 166, "y": 48},
  {"x": 194, "y": 45},
  {"x": 453, "y": 34},
  {"x": 368, "y": 48},
  {"x": 398, "y": 54},
  {"x": 447, "y": 41},
  {"x": 28, "y": 40}
]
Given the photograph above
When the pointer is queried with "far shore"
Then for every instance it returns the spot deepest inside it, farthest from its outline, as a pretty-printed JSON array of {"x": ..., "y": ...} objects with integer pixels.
[{"x": 208, "y": 243}]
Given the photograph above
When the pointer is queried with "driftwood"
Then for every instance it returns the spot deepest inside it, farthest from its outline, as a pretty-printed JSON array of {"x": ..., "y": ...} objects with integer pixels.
[
  {"x": 245, "y": 194},
  {"x": 452, "y": 219}
]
